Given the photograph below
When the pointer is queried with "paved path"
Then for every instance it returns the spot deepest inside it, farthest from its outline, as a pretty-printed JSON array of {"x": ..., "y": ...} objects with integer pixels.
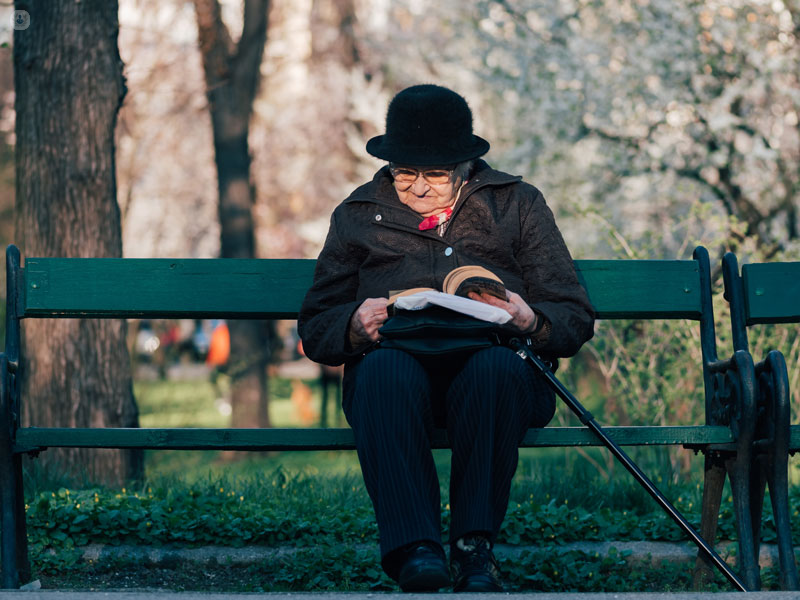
[
  {"x": 653, "y": 553},
  {"x": 158, "y": 595}
]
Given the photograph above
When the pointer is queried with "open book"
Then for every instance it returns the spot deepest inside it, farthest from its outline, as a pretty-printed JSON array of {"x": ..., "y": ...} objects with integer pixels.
[{"x": 456, "y": 286}]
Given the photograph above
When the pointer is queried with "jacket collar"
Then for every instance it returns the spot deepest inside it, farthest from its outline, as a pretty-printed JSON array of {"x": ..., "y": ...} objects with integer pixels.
[
  {"x": 381, "y": 191},
  {"x": 485, "y": 176}
]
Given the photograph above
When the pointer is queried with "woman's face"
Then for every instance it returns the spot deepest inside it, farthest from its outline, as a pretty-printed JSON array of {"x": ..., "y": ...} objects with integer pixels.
[{"x": 425, "y": 195}]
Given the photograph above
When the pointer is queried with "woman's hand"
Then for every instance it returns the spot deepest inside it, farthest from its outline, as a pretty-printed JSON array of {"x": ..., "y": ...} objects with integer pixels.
[
  {"x": 366, "y": 321},
  {"x": 522, "y": 315}
]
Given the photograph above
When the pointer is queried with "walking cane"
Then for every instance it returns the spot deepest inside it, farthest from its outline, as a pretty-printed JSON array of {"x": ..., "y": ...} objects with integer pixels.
[{"x": 587, "y": 419}]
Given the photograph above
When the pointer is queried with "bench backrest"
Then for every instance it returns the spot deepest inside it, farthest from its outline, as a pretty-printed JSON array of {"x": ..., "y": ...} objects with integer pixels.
[
  {"x": 155, "y": 287},
  {"x": 762, "y": 293},
  {"x": 274, "y": 288},
  {"x": 771, "y": 292}
]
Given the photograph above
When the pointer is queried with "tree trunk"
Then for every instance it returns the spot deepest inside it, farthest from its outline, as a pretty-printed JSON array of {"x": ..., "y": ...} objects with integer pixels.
[
  {"x": 69, "y": 88},
  {"x": 232, "y": 76}
]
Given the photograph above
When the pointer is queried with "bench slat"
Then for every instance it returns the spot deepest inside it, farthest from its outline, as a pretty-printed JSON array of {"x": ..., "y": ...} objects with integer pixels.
[
  {"x": 338, "y": 439},
  {"x": 772, "y": 292},
  {"x": 642, "y": 289},
  {"x": 794, "y": 438},
  {"x": 242, "y": 288},
  {"x": 198, "y": 288}
]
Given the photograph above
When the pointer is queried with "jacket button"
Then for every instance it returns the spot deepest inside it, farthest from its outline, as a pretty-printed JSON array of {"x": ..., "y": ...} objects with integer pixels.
[
  {"x": 378, "y": 217},
  {"x": 448, "y": 251}
]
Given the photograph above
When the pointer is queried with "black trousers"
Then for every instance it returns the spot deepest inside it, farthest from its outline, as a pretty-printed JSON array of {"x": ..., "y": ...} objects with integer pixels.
[{"x": 487, "y": 401}]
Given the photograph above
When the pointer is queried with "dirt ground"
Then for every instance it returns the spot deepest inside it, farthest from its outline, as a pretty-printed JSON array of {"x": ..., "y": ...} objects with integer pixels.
[{"x": 185, "y": 578}]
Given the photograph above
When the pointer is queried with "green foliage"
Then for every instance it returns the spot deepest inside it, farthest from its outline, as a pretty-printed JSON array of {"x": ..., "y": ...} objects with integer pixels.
[
  {"x": 277, "y": 509},
  {"x": 320, "y": 512},
  {"x": 654, "y": 370},
  {"x": 329, "y": 521}
]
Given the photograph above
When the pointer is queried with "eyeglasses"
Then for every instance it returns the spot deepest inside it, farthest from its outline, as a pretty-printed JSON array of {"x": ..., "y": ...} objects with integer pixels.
[{"x": 407, "y": 176}]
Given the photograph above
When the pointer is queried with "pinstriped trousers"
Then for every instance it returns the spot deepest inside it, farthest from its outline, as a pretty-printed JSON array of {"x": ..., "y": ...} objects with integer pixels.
[{"x": 487, "y": 401}]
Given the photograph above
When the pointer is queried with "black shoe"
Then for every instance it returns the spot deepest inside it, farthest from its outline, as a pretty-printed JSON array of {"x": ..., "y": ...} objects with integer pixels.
[
  {"x": 424, "y": 570},
  {"x": 473, "y": 567}
]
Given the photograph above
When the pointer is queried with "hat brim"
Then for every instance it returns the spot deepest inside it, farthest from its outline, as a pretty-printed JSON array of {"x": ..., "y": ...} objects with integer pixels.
[{"x": 425, "y": 156}]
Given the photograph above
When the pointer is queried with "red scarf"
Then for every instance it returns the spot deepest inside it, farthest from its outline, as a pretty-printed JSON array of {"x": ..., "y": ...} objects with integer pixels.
[{"x": 434, "y": 221}]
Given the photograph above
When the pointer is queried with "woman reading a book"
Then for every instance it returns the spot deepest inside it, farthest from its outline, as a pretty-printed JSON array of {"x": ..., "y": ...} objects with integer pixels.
[{"x": 434, "y": 208}]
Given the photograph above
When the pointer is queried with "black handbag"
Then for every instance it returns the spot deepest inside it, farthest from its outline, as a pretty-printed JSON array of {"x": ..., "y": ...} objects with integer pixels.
[{"x": 435, "y": 331}]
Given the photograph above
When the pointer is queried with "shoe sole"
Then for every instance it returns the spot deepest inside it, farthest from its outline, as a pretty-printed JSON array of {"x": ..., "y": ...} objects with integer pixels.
[
  {"x": 425, "y": 580},
  {"x": 478, "y": 587},
  {"x": 477, "y": 583}
]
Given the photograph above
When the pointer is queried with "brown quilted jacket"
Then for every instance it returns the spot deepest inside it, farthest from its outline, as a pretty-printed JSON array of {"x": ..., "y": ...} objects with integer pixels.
[{"x": 501, "y": 223}]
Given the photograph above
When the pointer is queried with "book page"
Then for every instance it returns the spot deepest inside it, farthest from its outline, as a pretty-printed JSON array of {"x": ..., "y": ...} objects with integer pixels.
[
  {"x": 394, "y": 295},
  {"x": 466, "y": 306}
]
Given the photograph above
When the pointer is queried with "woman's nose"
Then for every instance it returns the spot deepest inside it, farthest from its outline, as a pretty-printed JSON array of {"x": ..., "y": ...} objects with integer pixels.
[{"x": 420, "y": 186}]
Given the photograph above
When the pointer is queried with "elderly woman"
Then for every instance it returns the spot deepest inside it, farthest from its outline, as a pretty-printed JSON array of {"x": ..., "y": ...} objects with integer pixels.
[{"x": 435, "y": 207}]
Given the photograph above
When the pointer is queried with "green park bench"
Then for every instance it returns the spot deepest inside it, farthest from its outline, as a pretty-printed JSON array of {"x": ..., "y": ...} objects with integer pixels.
[
  {"x": 274, "y": 289},
  {"x": 768, "y": 293}
]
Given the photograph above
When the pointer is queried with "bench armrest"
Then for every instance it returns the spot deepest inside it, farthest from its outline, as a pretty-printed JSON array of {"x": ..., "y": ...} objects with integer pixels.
[{"x": 11, "y": 366}]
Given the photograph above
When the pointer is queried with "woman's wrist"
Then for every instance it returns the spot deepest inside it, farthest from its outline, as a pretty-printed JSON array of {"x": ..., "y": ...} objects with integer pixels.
[
  {"x": 538, "y": 324},
  {"x": 353, "y": 336}
]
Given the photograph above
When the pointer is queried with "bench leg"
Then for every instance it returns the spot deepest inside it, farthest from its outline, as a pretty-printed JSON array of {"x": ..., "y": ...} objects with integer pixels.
[
  {"x": 8, "y": 505},
  {"x": 734, "y": 404},
  {"x": 772, "y": 469},
  {"x": 8, "y": 484},
  {"x": 758, "y": 487},
  {"x": 714, "y": 481},
  {"x": 15, "y": 565},
  {"x": 779, "y": 493},
  {"x": 777, "y": 478},
  {"x": 739, "y": 468},
  {"x": 774, "y": 391},
  {"x": 9, "y": 525},
  {"x": 23, "y": 563}
]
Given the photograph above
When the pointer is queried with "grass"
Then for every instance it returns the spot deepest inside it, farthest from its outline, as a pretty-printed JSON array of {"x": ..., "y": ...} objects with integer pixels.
[{"x": 197, "y": 403}]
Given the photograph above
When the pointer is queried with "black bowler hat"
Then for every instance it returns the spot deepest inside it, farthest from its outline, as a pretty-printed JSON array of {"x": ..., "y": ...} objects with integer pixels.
[{"x": 428, "y": 125}]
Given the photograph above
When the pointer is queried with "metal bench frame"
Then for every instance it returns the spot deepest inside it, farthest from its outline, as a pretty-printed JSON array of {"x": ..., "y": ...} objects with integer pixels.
[{"x": 768, "y": 293}]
